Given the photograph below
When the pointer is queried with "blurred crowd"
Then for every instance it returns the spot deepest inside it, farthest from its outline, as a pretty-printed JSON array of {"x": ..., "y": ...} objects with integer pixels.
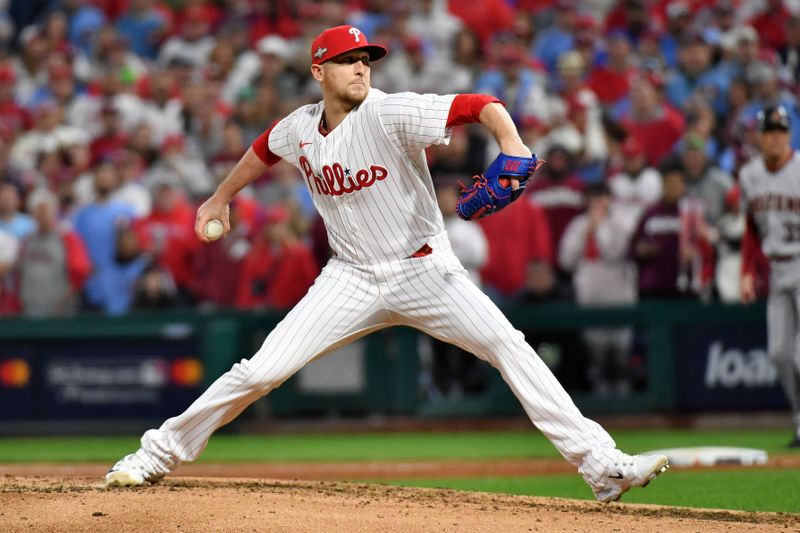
[{"x": 118, "y": 117}]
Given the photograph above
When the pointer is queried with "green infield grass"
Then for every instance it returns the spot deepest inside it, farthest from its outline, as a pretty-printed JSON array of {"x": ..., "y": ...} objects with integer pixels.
[
  {"x": 321, "y": 447},
  {"x": 744, "y": 490}
]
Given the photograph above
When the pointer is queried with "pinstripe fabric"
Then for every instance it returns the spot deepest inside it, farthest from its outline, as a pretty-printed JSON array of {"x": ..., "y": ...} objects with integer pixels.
[{"x": 374, "y": 225}]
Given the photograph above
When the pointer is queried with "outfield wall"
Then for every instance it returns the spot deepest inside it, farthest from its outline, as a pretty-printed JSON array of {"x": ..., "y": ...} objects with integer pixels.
[{"x": 687, "y": 357}]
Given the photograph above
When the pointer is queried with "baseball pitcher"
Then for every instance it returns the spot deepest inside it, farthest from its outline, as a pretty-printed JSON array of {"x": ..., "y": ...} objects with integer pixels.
[
  {"x": 770, "y": 186},
  {"x": 361, "y": 154}
]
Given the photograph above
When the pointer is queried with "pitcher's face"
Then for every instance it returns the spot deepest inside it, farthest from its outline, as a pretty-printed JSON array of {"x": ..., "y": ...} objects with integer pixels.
[{"x": 345, "y": 77}]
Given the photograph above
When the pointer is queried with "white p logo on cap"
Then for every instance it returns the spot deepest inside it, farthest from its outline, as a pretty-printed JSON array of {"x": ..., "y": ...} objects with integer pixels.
[{"x": 355, "y": 32}]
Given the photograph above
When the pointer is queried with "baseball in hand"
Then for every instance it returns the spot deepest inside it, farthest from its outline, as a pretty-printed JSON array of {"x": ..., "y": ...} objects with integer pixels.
[{"x": 213, "y": 229}]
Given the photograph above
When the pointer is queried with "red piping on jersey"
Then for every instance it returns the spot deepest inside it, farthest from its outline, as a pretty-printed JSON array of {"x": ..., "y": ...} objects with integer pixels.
[
  {"x": 466, "y": 108},
  {"x": 261, "y": 147}
]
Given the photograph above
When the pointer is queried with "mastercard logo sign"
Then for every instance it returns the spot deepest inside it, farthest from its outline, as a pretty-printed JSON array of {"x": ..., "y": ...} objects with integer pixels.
[
  {"x": 187, "y": 372},
  {"x": 15, "y": 373}
]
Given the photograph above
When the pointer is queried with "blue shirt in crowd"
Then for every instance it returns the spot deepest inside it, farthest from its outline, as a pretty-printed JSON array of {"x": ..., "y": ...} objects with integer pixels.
[{"x": 20, "y": 226}]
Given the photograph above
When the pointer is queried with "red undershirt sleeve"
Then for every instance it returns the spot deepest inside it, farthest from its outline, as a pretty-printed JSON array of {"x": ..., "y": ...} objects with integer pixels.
[
  {"x": 750, "y": 248},
  {"x": 261, "y": 147},
  {"x": 466, "y": 108}
]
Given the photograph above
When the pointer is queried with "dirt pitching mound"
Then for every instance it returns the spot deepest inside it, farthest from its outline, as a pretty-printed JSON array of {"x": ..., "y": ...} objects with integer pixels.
[{"x": 217, "y": 504}]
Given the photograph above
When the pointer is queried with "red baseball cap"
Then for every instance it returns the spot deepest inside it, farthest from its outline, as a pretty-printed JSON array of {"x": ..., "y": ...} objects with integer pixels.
[{"x": 340, "y": 39}]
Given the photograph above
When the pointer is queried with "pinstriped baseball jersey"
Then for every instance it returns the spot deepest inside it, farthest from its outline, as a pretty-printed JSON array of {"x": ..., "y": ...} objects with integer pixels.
[
  {"x": 368, "y": 177},
  {"x": 773, "y": 199}
]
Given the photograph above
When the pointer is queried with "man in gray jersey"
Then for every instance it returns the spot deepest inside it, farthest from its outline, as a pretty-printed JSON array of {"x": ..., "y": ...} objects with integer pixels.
[{"x": 771, "y": 199}]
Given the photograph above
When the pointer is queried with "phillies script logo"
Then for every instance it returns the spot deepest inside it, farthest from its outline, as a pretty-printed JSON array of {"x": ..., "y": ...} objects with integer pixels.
[{"x": 337, "y": 180}]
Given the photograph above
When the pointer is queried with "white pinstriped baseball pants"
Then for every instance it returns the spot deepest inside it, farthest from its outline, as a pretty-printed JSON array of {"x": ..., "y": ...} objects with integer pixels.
[{"x": 431, "y": 293}]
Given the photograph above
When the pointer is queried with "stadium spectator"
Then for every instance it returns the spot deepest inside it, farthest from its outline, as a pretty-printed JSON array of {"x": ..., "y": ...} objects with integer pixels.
[
  {"x": 730, "y": 231},
  {"x": 431, "y": 19},
  {"x": 704, "y": 180},
  {"x": 144, "y": 27},
  {"x": 767, "y": 91},
  {"x": 510, "y": 79},
  {"x": 655, "y": 246},
  {"x": 30, "y": 66},
  {"x": 484, "y": 17},
  {"x": 651, "y": 120},
  {"x": 155, "y": 289},
  {"x": 218, "y": 267},
  {"x": 467, "y": 238},
  {"x": 49, "y": 133},
  {"x": 178, "y": 164},
  {"x": 110, "y": 139},
  {"x": 12, "y": 219},
  {"x": 595, "y": 250},
  {"x": 610, "y": 79},
  {"x": 13, "y": 116},
  {"x": 636, "y": 186},
  {"x": 518, "y": 237},
  {"x": 695, "y": 75},
  {"x": 558, "y": 37},
  {"x": 279, "y": 269},
  {"x": 193, "y": 43},
  {"x": 167, "y": 234},
  {"x": 769, "y": 23},
  {"x": 100, "y": 225},
  {"x": 53, "y": 262},
  {"x": 9, "y": 247},
  {"x": 558, "y": 190},
  {"x": 131, "y": 191}
]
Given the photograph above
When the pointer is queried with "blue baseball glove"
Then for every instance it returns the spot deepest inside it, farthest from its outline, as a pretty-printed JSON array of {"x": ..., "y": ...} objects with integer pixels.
[{"x": 492, "y": 190}]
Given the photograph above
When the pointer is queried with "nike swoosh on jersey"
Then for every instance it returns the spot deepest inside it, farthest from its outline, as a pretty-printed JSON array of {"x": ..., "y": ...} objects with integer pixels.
[{"x": 305, "y": 143}]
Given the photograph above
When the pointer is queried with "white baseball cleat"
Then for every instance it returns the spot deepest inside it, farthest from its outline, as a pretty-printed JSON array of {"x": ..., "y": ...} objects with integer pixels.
[
  {"x": 623, "y": 472},
  {"x": 133, "y": 470}
]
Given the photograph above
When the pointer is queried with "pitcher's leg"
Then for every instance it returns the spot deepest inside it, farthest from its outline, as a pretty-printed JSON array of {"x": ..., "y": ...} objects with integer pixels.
[
  {"x": 341, "y": 306},
  {"x": 457, "y": 312}
]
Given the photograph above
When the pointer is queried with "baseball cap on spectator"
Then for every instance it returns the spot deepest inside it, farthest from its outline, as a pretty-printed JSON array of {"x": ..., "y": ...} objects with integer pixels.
[
  {"x": 7, "y": 74},
  {"x": 180, "y": 61},
  {"x": 693, "y": 141},
  {"x": 571, "y": 62},
  {"x": 746, "y": 34},
  {"x": 340, "y": 39},
  {"x": 773, "y": 119},
  {"x": 274, "y": 45},
  {"x": 761, "y": 72},
  {"x": 677, "y": 9},
  {"x": 413, "y": 45},
  {"x": 600, "y": 188},
  {"x": 693, "y": 37},
  {"x": 195, "y": 13},
  {"x": 585, "y": 22},
  {"x": 29, "y": 33}
]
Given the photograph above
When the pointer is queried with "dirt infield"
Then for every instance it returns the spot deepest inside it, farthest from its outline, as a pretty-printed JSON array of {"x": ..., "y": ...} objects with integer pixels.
[{"x": 215, "y": 504}]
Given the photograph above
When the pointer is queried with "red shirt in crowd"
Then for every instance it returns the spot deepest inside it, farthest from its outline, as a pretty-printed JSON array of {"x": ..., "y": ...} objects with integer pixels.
[
  {"x": 517, "y": 236},
  {"x": 169, "y": 234},
  {"x": 561, "y": 200},
  {"x": 657, "y": 136},
  {"x": 610, "y": 85},
  {"x": 276, "y": 277}
]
